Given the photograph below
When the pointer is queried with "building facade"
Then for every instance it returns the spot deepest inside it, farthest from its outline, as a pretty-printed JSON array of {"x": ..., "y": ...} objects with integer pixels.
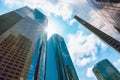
[
  {"x": 104, "y": 70},
  {"x": 102, "y": 14},
  {"x": 109, "y": 11},
  {"x": 20, "y": 32},
  {"x": 25, "y": 53},
  {"x": 106, "y": 38},
  {"x": 59, "y": 65},
  {"x": 113, "y": 1}
]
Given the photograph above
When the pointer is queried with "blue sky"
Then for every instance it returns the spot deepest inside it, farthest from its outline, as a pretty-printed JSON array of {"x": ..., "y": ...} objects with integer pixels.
[{"x": 85, "y": 48}]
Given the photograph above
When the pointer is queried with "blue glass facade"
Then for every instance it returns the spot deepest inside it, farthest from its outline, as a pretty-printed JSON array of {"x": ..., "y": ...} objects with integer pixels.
[
  {"x": 102, "y": 35},
  {"x": 59, "y": 65},
  {"x": 104, "y": 70},
  {"x": 26, "y": 28},
  {"x": 31, "y": 56}
]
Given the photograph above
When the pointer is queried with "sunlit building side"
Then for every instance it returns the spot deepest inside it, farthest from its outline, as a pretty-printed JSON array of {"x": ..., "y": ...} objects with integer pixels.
[
  {"x": 25, "y": 53},
  {"x": 109, "y": 10},
  {"x": 113, "y": 1},
  {"x": 103, "y": 36},
  {"x": 21, "y": 35},
  {"x": 104, "y": 70}
]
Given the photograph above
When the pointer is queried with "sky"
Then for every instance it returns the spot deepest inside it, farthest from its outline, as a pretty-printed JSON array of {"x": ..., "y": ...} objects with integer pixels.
[{"x": 84, "y": 47}]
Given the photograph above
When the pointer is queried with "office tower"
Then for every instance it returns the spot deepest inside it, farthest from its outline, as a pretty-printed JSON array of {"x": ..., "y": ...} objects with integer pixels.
[
  {"x": 25, "y": 53},
  {"x": 114, "y": 1},
  {"x": 59, "y": 65},
  {"x": 104, "y": 70},
  {"x": 21, "y": 36},
  {"x": 109, "y": 10},
  {"x": 106, "y": 38},
  {"x": 103, "y": 15}
]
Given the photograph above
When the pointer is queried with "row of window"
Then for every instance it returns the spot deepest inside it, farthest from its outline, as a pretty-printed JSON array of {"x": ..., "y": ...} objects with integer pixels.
[
  {"x": 9, "y": 78},
  {"x": 112, "y": 42},
  {"x": 16, "y": 63},
  {"x": 10, "y": 69}
]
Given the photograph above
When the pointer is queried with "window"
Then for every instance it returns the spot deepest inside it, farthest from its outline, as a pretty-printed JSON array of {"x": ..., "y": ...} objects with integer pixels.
[
  {"x": 14, "y": 57},
  {"x": 3, "y": 74},
  {"x": 8, "y": 67},
  {"x": 20, "y": 66},
  {"x": 5, "y": 62},
  {"x": 6, "y": 52},
  {"x": 14, "y": 68},
  {"x": 10, "y": 63},
  {"x": 1, "y": 50},
  {"x": 1, "y": 58},
  {"x": 117, "y": 45},
  {"x": 12, "y": 60},
  {"x": 9, "y": 76},
  {"x": 1, "y": 78},
  {"x": 15, "y": 65},
  {"x": 19, "y": 70},
  {"x": 6, "y": 70},
  {"x": 1, "y": 69},
  {"x": 11, "y": 72},
  {"x": 16, "y": 78},
  {"x": 18, "y": 74},
  {"x": 17, "y": 62},
  {"x": 9, "y": 55},
  {"x": 3, "y": 65},
  {"x": 7, "y": 59},
  {"x": 3, "y": 54}
]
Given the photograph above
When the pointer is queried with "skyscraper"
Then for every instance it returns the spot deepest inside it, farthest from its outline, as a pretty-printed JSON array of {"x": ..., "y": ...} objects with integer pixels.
[
  {"x": 108, "y": 39},
  {"x": 25, "y": 53},
  {"x": 20, "y": 32},
  {"x": 109, "y": 10},
  {"x": 114, "y": 1},
  {"x": 102, "y": 14},
  {"x": 59, "y": 65},
  {"x": 104, "y": 70}
]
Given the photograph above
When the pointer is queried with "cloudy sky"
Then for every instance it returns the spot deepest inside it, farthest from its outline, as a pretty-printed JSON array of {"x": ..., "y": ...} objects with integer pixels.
[{"x": 85, "y": 48}]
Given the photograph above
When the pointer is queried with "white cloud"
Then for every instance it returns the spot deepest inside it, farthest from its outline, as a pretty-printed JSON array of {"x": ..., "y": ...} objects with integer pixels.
[
  {"x": 72, "y": 21},
  {"x": 83, "y": 48},
  {"x": 59, "y": 8},
  {"x": 117, "y": 64},
  {"x": 66, "y": 8},
  {"x": 90, "y": 72},
  {"x": 13, "y": 3}
]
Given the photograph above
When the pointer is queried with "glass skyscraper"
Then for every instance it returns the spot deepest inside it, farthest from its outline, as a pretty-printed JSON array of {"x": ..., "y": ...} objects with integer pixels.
[
  {"x": 102, "y": 14},
  {"x": 109, "y": 11},
  {"x": 59, "y": 65},
  {"x": 104, "y": 70},
  {"x": 20, "y": 32},
  {"x": 25, "y": 53},
  {"x": 106, "y": 38}
]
